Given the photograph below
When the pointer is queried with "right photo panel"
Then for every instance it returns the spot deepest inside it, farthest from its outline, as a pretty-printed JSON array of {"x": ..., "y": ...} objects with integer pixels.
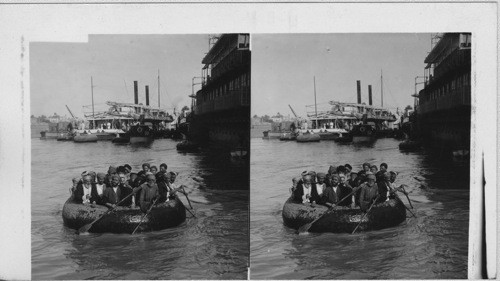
[{"x": 360, "y": 156}]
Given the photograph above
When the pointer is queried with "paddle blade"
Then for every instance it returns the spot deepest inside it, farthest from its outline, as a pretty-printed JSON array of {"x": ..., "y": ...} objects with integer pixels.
[
  {"x": 304, "y": 228},
  {"x": 84, "y": 228}
]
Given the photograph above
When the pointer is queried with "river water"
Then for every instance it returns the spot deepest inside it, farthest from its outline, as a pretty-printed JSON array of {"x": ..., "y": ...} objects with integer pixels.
[
  {"x": 432, "y": 246},
  {"x": 214, "y": 245}
]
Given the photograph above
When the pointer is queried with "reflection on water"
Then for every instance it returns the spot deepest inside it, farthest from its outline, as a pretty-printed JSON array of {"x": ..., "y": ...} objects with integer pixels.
[
  {"x": 432, "y": 246},
  {"x": 214, "y": 245}
]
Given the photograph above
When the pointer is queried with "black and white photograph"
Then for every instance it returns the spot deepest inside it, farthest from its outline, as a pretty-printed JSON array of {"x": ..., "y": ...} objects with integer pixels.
[
  {"x": 360, "y": 156},
  {"x": 140, "y": 157},
  {"x": 249, "y": 140}
]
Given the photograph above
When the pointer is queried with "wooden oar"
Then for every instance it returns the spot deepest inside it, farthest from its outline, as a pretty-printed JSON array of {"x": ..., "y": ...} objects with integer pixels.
[
  {"x": 176, "y": 196},
  {"x": 86, "y": 227},
  {"x": 147, "y": 213},
  {"x": 407, "y": 197},
  {"x": 369, "y": 209},
  {"x": 306, "y": 226},
  {"x": 189, "y": 201}
]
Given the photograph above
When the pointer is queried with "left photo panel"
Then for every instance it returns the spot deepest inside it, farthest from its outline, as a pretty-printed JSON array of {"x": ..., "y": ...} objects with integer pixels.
[{"x": 140, "y": 148}]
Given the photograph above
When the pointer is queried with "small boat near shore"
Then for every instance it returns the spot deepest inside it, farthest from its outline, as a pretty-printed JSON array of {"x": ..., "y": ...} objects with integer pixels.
[
  {"x": 308, "y": 137},
  {"x": 85, "y": 138},
  {"x": 65, "y": 137},
  {"x": 123, "y": 219},
  {"x": 288, "y": 136},
  {"x": 410, "y": 145},
  {"x": 121, "y": 139},
  {"x": 187, "y": 146},
  {"x": 344, "y": 219}
]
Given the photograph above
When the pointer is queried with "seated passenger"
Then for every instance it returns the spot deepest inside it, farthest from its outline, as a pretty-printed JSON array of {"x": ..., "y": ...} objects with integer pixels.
[
  {"x": 113, "y": 193},
  {"x": 332, "y": 170},
  {"x": 131, "y": 180},
  {"x": 295, "y": 181},
  {"x": 348, "y": 169},
  {"x": 83, "y": 190},
  {"x": 331, "y": 194},
  {"x": 72, "y": 189},
  {"x": 163, "y": 167},
  {"x": 153, "y": 170},
  {"x": 366, "y": 167},
  {"x": 320, "y": 184},
  {"x": 306, "y": 191},
  {"x": 149, "y": 192},
  {"x": 128, "y": 169},
  {"x": 111, "y": 172},
  {"x": 126, "y": 190},
  {"x": 98, "y": 189},
  {"x": 369, "y": 192},
  {"x": 162, "y": 179},
  {"x": 380, "y": 174},
  {"x": 345, "y": 190},
  {"x": 145, "y": 169}
]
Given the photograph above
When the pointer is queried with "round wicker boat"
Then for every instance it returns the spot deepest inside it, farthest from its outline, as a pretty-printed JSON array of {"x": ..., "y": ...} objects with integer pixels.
[
  {"x": 123, "y": 219},
  {"x": 344, "y": 219}
]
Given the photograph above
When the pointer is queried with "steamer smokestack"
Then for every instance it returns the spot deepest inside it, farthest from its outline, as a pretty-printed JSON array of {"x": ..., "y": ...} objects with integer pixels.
[
  {"x": 359, "y": 91},
  {"x": 136, "y": 93},
  {"x": 147, "y": 95},
  {"x": 370, "y": 94}
]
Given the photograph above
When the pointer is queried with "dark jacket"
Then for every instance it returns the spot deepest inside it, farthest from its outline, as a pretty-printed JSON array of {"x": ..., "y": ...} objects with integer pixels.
[
  {"x": 77, "y": 196},
  {"x": 109, "y": 196},
  {"x": 95, "y": 196},
  {"x": 126, "y": 190},
  {"x": 368, "y": 194},
  {"x": 148, "y": 194},
  {"x": 345, "y": 190},
  {"x": 299, "y": 192}
]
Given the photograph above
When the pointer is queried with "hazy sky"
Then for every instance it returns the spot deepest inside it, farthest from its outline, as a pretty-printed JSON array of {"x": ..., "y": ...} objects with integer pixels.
[
  {"x": 283, "y": 66},
  {"x": 60, "y": 72}
]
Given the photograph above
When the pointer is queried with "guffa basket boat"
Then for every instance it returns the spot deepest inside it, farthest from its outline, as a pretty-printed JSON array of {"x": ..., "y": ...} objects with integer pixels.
[
  {"x": 123, "y": 219},
  {"x": 344, "y": 219}
]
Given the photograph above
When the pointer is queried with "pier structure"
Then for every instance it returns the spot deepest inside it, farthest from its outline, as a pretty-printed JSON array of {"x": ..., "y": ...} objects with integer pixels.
[
  {"x": 221, "y": 108},
  {"x": 443, "y": 106}
]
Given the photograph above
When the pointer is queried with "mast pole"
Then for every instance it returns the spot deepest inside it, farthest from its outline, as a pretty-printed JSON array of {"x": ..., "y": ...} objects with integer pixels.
[
  {"x": 382, "y": 88},
  {"x": 315, "y": 106},
  {"x": 158, "y": 88},
  {"x": 92, "y": 91}
]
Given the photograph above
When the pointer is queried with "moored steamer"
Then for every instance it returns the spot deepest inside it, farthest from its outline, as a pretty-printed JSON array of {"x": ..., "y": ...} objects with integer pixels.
[
  {"x": 123, "y": 219},
  {"x": 343, "y": 219},
  {"x": 443, "y": 110}
]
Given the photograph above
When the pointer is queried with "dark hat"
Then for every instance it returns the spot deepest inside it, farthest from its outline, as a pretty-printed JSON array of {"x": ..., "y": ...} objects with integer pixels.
[
  {"x": 163, "y": 165},
  {"x": 348, "y": 166},
  {"x": 321, "y": 175},
  {"x": 120, "y": 169},
  {"x": 383, "y": 165},
  {"x": 111, "y": 170},
  {"x": 366, "y": 164},
  {"x": 128, "y": 167},
  {"x": 146, "y": 164},
  {"x": 84, "y": 173}
]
